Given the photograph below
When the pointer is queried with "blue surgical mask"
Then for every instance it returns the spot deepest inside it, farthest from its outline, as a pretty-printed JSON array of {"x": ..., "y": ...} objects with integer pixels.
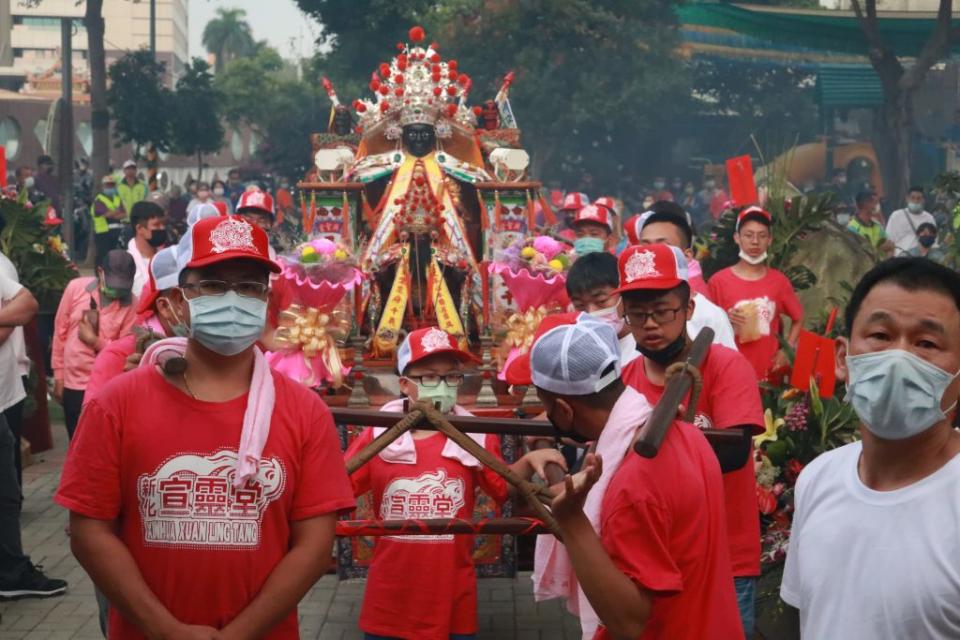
[
  {"x": 442, "y": 394},
  {"x": 110, "y": 192},
  {"x": 915, "y": 207},
  {"x": 227, "y": 324},
  {"x": 895, "y": 393},
  {"x": 583, "y": 246}
]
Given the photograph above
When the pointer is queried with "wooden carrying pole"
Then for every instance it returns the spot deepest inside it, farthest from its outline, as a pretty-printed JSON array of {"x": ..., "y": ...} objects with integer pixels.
[
  {"x": 679, "y": 383},
  {"x": 440, "y": 526}
]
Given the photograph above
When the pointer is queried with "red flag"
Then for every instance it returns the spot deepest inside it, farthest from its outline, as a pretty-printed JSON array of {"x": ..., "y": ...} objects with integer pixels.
[{"x": 743, "y": 189}]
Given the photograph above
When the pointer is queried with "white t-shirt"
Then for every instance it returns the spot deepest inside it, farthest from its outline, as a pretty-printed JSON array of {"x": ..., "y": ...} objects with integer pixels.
[
  {"x": 142, "y": 273},
  {"x": 11, "y": 387},
  {"x": 707, "y": 314},
  {"x": 19, "y": 343},
  {"x": 870, "y": 565},
  {"x": 628, "y": 350},
  {"x": 901, "y": 229}
]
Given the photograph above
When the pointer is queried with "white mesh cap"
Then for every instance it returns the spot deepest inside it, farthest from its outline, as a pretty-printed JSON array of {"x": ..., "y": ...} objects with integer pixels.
[
  {"x": 201, "y": 211},
  {"x": 576, "y": 359},
  {"x": 164, "y": 268},
  {"x": 185, "y": 250}
]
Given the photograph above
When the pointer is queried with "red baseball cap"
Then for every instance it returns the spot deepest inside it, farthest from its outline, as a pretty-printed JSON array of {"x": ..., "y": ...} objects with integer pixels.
[
  {"x": 575, "y": 200},
  {"x": 427, "y": 342},
  {"x": 754, "y": 211},
  {"x": 593, "y": 213},
  {"x": 222, "y": 238},
  {"x": 518, "y": 372},
  {"x": 651, "y": 266},
  {"x": 257, "y": 200},
  {"x": 608, "y": 202},
  {"x": 635, "y": 225}
]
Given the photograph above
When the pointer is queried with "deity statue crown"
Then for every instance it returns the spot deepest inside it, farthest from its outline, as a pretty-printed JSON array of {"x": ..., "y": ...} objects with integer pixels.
[{"x": 417, "y": 87}]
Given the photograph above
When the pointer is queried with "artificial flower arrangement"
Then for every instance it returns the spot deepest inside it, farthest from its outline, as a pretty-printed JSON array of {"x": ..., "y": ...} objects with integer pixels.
[
  {"x": 311, "y": 295},
  {"x": 534, "y": 271}
]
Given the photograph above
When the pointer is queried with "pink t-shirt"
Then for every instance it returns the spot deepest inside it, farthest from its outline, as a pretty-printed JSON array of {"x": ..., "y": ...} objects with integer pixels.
[
  {"x": 773, "y": 296},
  {"x": 72, "y": 360},
  {"x": 444, "y": 599},
  {"x": 730, "y": 398},
  {"x": 161, "y": 464}
]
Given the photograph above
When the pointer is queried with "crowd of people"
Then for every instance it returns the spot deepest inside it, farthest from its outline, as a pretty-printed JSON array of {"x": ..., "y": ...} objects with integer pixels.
[{"x": 194, "y": 468}]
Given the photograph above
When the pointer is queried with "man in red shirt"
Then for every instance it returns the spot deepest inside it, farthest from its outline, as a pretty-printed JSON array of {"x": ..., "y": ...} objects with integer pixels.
[
  {"x": 657, "y": 303},
  {"x": 203, "y": 503},
  {"x": 645, "y": 537},
  {"x": 755, "y": 295}
]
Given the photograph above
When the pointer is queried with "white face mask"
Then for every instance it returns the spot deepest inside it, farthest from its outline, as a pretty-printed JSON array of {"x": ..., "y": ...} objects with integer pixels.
[
  {"x": 751, "y": 260},
  {"x": 895, "y": 393},
  {"x": 610, "y": 316}
]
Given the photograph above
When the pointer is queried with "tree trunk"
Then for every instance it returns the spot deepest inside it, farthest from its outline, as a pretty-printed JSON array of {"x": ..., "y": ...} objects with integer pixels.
[{"x": 99, "y": 113}]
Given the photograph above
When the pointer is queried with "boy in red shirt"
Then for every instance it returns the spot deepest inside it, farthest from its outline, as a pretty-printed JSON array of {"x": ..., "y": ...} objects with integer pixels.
[
  {"x": 755, "y": 295},
  {"x": 657, "y": 304},
  {"x": 203, "y": 504},
  {"x": 424, "y": 475},
  {"x": 646, "y": 537}
]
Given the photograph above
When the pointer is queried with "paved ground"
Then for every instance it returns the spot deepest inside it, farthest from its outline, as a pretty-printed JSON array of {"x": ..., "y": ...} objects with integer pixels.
[{"x": 329, "y": 612}]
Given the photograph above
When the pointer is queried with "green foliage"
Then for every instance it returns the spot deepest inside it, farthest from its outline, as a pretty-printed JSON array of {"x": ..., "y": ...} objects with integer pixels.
[
  {"x": 263, "y": 92},
  {"x": 139, "y": 103},
  {"x": 228, "y": 36},
  {"x": 196, "y": 127},
  {"x": 775, "y": 103},
  {"x": 595, "y": 80},
  {"x": 38, "y": 256}
]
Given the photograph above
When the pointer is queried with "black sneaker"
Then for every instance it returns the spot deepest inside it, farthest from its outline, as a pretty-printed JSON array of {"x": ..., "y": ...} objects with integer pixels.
[{"x": 33, "y": 584}]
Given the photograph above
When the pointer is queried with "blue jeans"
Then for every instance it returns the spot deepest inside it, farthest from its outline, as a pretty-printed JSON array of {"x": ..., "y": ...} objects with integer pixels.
[
  {"x": 746, "y": 589},
  {"x": 453, "y": 636}
]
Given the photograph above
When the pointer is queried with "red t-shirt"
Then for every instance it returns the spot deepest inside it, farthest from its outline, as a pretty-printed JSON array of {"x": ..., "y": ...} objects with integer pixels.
[
  {"x": 162, "y": 463},
  {"x": 422, "y": 587},
  {"x": 662, "y": 523},
  {"x": 109, "y": 364},
  {"x": 699, "y": 286},
  {"x": 730, "y": 398},
  {"x": 773, "y": 295}
]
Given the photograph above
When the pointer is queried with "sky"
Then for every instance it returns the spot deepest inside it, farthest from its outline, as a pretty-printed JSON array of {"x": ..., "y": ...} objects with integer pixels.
[{"x": 279, "y": 22}]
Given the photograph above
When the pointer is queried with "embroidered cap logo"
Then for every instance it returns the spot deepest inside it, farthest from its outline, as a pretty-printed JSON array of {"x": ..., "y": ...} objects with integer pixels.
[
  {"x": 640, "y": 266},
  {"x": 233, "y": 235},
  {"x": 434, "y": 339}
]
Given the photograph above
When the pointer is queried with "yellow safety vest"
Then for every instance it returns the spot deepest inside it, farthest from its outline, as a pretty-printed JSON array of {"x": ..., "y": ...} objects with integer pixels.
[
  {"x": 131, "y": 195},
  {"x": 100, "y": 223}
]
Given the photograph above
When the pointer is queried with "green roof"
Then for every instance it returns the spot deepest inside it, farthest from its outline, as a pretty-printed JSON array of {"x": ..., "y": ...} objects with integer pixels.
[{"x": 847, "y": 85}]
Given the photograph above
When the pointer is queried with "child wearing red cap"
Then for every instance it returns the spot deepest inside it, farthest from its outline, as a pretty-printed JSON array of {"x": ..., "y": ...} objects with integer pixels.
[{"x": 424, "y": 475}]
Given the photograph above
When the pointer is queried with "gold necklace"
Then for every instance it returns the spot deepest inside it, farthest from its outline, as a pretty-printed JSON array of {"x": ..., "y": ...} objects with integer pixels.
[{"x": 187, "y": 385}]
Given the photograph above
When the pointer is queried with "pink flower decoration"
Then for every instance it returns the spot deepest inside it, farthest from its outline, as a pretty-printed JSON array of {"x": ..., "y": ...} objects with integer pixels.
[
  {"x": 324, "y": 246},
  {"x": 547, "y": 246}
]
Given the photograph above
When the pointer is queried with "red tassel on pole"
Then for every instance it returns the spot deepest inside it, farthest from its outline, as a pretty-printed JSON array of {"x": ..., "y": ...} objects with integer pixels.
[{"x": 548, "y": 215}]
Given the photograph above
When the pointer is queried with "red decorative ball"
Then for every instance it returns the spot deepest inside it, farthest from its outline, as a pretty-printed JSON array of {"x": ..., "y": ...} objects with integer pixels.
[
  {"x": 435, "y": 57},
  {"x": 400, "y": 46},
  {"x": 436, "y": 78},
  {"x": 463, "y": 79},
  {"x": 477, "y": 111},
  {"x": 384, "y": 89},
  {"x": 398, "y": 91},
  {"x": 398, "y": 79},
  {"x": 384, "y": 105},
  {"x": 435, "y": 46},
  {"x": 435, "y": 69},
  {"x": 359, "y": 106},
  {"x": 402, "y": 63},
  {"x": 452, "y": 74},
  {"x": 375, "y": 85},
  {"x": 384, "y": 70},
  {"x": 416, "y": 34},
  {"x": 462, "y": 264},
  {"x": 420, "y": 181},
  {"x": 437, "y": 91},
  {"x": 357, "y": 375},
  {"x": 452, "y": 64},
  {"x": 451, "y": 90}
]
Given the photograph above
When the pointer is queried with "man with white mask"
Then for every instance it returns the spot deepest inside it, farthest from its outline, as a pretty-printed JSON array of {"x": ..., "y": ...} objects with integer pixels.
[
  {"x": 904, "y": 224},
  {"x": 893, "y": 499},
  {"x": 755, "y": 295}
]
